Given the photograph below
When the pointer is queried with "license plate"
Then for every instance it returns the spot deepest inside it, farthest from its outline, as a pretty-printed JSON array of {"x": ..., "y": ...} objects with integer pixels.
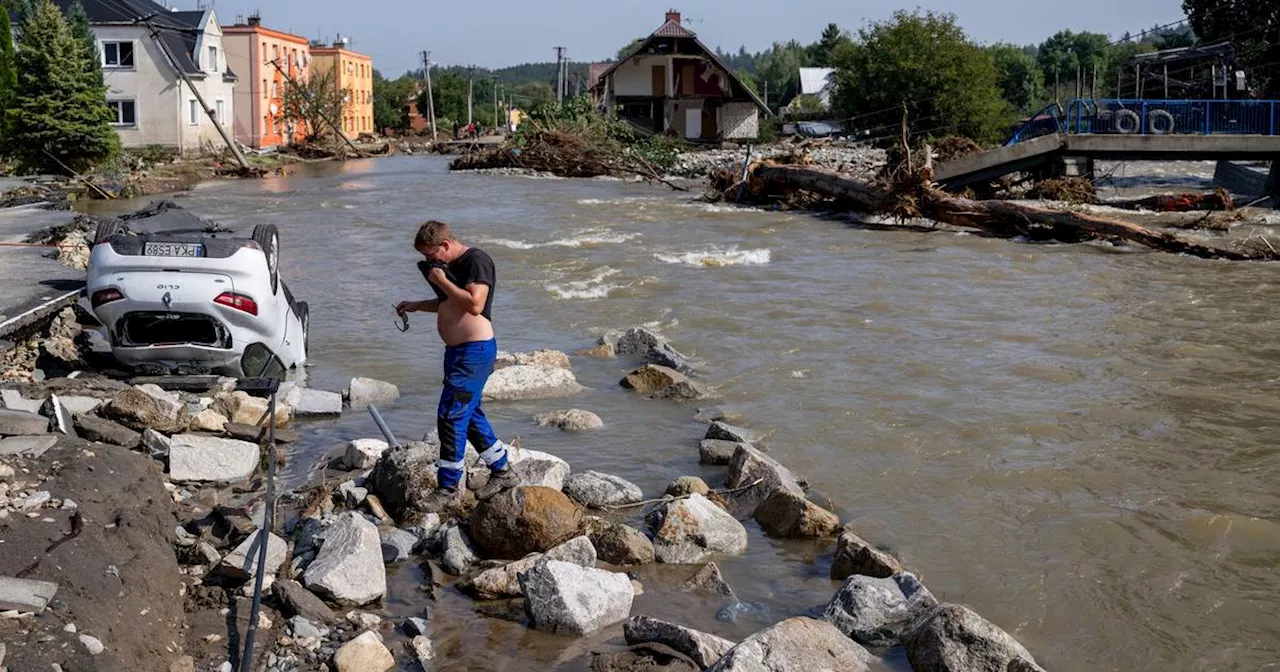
[{"x": 173, "y": 250}]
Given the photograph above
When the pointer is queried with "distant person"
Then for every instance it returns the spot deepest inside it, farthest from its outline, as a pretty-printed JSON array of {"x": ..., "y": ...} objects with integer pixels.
[
  {"x": 456, "y": 127},
  {"x": 464, "y": 279}
]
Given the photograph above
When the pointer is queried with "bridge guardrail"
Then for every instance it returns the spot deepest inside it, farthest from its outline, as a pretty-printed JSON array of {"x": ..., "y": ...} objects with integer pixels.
[{"x": 1172, "y": 117}]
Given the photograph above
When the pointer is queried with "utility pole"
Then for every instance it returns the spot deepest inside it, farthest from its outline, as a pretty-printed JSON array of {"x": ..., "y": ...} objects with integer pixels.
[
  {"x": 1093, "y": 83},
  {"x": 497, "y": 123},
  {"x": 766, "y": 94},
  {"x": 294, "y": 85},
  {"x": 431, "y": 103},
  {"x": 173, "y": 62},
  {"x": 559, "y": 75},
  {"x": 471, "y": 72}
]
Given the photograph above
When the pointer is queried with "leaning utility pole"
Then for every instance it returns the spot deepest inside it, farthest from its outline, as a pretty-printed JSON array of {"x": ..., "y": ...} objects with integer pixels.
[
  {"x": 431, "y": 103},
  {"x": 319, "y": 110},
  {"x": 470, "y": 92},
  {"x": 173, "y": 62}
]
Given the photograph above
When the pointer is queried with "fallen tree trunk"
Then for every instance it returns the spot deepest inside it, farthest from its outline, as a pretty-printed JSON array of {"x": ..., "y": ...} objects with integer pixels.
[
  {"x": 1219, "y": 200},
  {"x": 912, "y": 195}
]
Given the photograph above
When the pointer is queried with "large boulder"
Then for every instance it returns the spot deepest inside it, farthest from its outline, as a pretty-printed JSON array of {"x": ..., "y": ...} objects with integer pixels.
[
  {"x": 692, "y": 530},
  {"x": 210, "y": 459},
  {"x": 597, "y": 490},
  {"x": 528, "y": 381},
  {"x": 22, "y": 423},
  {"x": 790, "y": 515},
  {"x": 688, "y": 485},
  {"x": 457, "y": 553},
  {"x": 572, "y": 420},
  {"x": 365, "y": 653},
  {"x": 702, "y": 648},
  {"x": 207, "y": 420},
  {"x": 723, "y": 431},
  {"x": 294, "y": 600},
  {"x": 952, "y": 638},
  {"x": 364, "y": 391},
  {"x": 716, "y": 452},
  {"x": 646, "y": 345},
  {"x": 309, "y": 403},
  {"x": 364, "y": 453},
  {"x": 854, "y": 555},
  {"x": 873, "y": 612},
  {"x": 502, "y": 582},
  {"x": 564, "y": 598},
  {"x": 619, "y": 544},
  {"x": 552, "y": 358},
  {"x": 524, "y": 520},
  {"x": 148, "y": 407},
  {"x": 404, "y": 476},
  {"x": 349, "y": 569},
  {"x": 93, "y": 428},
  {"x": 536, "y": 468},
  {"x": 30, "y": 446},
  {"x": 750, "y": 465},
  {"x": 661, "y": 382},
  {"x": 797, "y": 644},
  {"x": 242, "y": 408}
]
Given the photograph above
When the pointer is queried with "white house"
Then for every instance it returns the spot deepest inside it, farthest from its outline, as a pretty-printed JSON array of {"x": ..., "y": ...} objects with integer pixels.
[
  {"x": 143, "y": 45},
  {"x": 817, "y": 82}
]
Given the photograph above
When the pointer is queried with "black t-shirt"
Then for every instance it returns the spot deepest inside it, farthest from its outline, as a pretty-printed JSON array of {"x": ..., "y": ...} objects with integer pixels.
[{"x": 476, "y": 266}]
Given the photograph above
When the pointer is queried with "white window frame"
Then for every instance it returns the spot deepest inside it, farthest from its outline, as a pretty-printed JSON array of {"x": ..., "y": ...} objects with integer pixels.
[
  {"x": 133, "y": 52},
  {"x": 119, "y": 122},
  {"x": 218, "y": 111},
  {"x": 193, "y": 112},
  {"x": 213, "y": 58}
]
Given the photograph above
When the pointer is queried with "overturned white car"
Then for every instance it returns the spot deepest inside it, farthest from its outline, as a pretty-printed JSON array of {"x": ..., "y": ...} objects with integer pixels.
[{"x": 178, "y": 294}]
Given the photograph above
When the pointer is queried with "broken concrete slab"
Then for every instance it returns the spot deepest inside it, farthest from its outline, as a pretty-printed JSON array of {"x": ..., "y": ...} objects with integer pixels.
[
  {"x": 30, "y": 446},
  {"x": 210, "y": 459},
  {"x": 242, "y": 563},
  {"x": 60, "y": 416},
  {"x": 14, "y": 401},
  {"x": 22, "y": 423},
  {"x": 25, "y": 594},
  {"x": 93, "y": 428}
]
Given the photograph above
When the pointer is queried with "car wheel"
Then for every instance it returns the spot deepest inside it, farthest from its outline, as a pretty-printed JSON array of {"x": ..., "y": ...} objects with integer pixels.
[
  {"x": 268, "y": 238},
  {"x": 106, "y": 230},
  {"x": 304, "y": 316}
]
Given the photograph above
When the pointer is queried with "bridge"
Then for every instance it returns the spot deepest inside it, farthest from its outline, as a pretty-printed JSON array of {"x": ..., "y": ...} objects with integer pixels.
[{"x": 1132, "y": 130}]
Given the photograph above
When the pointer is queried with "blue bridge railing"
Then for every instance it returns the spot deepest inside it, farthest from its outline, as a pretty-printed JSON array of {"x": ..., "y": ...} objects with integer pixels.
[{"x": 1154, "y": 117}]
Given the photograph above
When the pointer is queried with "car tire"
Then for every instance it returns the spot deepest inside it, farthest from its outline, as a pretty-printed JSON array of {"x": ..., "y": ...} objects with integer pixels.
[
  {"x": 268, "y": 239},
  {"x": 304, "y": 316},
  {"x": 105, "y": 230}
]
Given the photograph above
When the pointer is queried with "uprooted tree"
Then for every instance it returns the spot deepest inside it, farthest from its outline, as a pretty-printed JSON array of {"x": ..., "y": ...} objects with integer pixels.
[{"x": 314, "y": 103}]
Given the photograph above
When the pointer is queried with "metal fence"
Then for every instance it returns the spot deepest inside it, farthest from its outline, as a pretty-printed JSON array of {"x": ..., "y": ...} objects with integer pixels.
[{"x": 1173, "y": 117}]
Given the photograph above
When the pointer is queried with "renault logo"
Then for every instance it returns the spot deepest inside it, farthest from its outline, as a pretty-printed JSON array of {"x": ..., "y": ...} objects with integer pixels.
[{"x": 167, "y": 299}]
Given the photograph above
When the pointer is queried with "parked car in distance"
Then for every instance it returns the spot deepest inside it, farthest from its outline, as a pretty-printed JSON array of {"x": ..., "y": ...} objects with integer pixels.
[{"x": 181, "y": 295}]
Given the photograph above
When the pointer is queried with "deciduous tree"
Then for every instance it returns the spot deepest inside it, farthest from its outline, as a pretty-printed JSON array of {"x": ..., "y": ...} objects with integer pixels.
[{"x": 310, "y": 103}]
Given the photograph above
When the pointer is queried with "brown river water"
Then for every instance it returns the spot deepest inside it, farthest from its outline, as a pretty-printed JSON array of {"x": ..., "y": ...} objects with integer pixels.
[{"x": 1071, "y": 440}]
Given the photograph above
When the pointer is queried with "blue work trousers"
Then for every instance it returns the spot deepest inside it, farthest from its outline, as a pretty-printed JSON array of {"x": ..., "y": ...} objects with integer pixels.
[{"x": 459, "y": 417}]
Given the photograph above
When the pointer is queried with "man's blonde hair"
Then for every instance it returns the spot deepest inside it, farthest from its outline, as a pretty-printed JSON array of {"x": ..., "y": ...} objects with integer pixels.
[{"x": 431, "y": 234}]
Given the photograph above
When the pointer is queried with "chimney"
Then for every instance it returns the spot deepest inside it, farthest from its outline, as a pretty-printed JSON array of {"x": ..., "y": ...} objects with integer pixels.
[{"x": 673, "y": 15}]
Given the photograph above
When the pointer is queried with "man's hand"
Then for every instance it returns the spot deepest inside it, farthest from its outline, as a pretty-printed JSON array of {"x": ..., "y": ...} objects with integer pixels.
[{"x": 436, "y": 276}]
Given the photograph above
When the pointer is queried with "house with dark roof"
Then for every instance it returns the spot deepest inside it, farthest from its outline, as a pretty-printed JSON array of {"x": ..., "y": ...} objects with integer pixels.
[
  {"x": 672, "y": 83},
  {"x": 144, "y": 46}
]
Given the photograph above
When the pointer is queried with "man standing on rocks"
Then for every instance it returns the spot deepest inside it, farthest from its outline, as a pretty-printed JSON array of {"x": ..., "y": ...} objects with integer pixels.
[{"x": 465, "y": 280}]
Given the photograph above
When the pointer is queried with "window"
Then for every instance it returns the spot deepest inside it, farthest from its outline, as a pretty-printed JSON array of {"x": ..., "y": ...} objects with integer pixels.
[
  {"x": 213, "y": 59},
  {"x": 264, "y": 88},
  {"x": 193, "y": 109},
  {"x": 123, "y": 112},
  {"x": 264, "y": 52},
  {"x": 275, "y": 89},
  {"x": 117, "y": 54},
  {"x": 275, "y": 52},
  {"x": 218, "y": 112}
]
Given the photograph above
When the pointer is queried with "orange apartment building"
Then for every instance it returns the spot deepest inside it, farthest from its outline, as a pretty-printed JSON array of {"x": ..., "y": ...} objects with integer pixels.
[
  {"x": 254, "y": 52},
  {"x": 355, "y": 75}
]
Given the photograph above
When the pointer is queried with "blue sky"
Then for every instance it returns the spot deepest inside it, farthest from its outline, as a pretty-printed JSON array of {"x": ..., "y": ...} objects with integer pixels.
[{"x": 507, "y": 32}]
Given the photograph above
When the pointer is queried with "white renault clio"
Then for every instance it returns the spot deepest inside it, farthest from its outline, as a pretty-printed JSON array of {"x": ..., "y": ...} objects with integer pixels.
[{"x": 181, "y": 295}]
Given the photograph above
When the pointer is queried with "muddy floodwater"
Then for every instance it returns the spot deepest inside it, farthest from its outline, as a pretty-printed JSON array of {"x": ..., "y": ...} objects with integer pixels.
[{"x": 1077, "y": 442}]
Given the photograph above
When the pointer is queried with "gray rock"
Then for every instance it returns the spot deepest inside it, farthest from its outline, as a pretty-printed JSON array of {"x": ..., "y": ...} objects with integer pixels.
[
  {"x": 750, "y": 465},
  {"x": 648, "y": 346},
  {"x": 702, "y": 648},
  {"x": 242, "y": 563},
  {"x": 349, "y": 569},
  {"x": 30, "y": 446},
  {"x": 352, "y": 494},
  {"x": 211, "y": 459},
  {"x": 423, "y": 651},
  {"x": 855, "y": 556},
  {"x": 309, "y": 403},
  {"x": 60, "y": 415},
  {"x": 689, "y": 531},
  {"x": 156, "y": 443},
  {"x": 404, "y": 476},
  {"x": 565, "y": 598},
  {"x": 751, "y": 612},
  {"x": 92, "y": 644},
  {"x": 790, "y": 515},
  {"x": 296, "y": 600},
  {"x": 716, "y": 452},
  {"x": 661, "y": 382},
  {"x": 874, "y": 611},
  {"x": 723, "y": 431},
  {"x": 25, "y": 594},
  {"x": 22, "y": 423},
  {"x": 397, "y": 545},
  {"x": 709, "y": 414},
  {"x": 364, "y": 391},
  {"x": 572, "y": 420},
  {"x": 597, "y": 490},
  {"x": 93, "y": 428},
  {"x": 14, "y": 401},
  {"x": 523, "y": 382},
  {"x": 796, "y": 645},
  {"x": 709, "y": 581},
  {"x": 457, "y": 555},
  {"x": 364, "y": 453},
  {"x": 415, "y": 626},
  {"x": 536, "y": 468},
  {"x": 503, "y": 582},
  {"x": 81, "y": 405},
  {"x": 33, "y": 501},
  {"x": 951, "y": 638},
  {"x": 365, "y": 653},
  {"x": 618, "y": 544},
  {"x": 305, "y": 629},
  {"x": 147, "y": 406},
  {"x": 687, "y": 485}
]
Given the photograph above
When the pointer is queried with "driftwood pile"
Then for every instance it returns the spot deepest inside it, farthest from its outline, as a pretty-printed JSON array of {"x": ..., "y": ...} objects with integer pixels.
[
  {"x": 907, "y": 192},
  {"x": 564, "y": 153}
]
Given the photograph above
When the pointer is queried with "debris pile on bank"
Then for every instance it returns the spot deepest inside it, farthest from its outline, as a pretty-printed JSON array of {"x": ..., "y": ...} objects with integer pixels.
[{"x": 841, "y": 156}]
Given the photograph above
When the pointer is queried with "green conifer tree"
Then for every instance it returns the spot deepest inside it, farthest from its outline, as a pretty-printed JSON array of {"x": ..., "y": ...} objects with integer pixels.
[
  {"x": 59, "y": 106},
  {"x": 8, "y": 69}
]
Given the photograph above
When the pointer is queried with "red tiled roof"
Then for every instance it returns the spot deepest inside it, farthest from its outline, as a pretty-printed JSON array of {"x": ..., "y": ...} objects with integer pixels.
[{"x": 672, "y": 29}]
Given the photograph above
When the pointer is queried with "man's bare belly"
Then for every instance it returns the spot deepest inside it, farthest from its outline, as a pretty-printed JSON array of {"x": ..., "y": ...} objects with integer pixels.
[{"x": 456, "y": 326}]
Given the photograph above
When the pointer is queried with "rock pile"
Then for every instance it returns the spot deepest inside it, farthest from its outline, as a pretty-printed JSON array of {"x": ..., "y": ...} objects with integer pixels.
[{"x": 860, "y": 160}]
